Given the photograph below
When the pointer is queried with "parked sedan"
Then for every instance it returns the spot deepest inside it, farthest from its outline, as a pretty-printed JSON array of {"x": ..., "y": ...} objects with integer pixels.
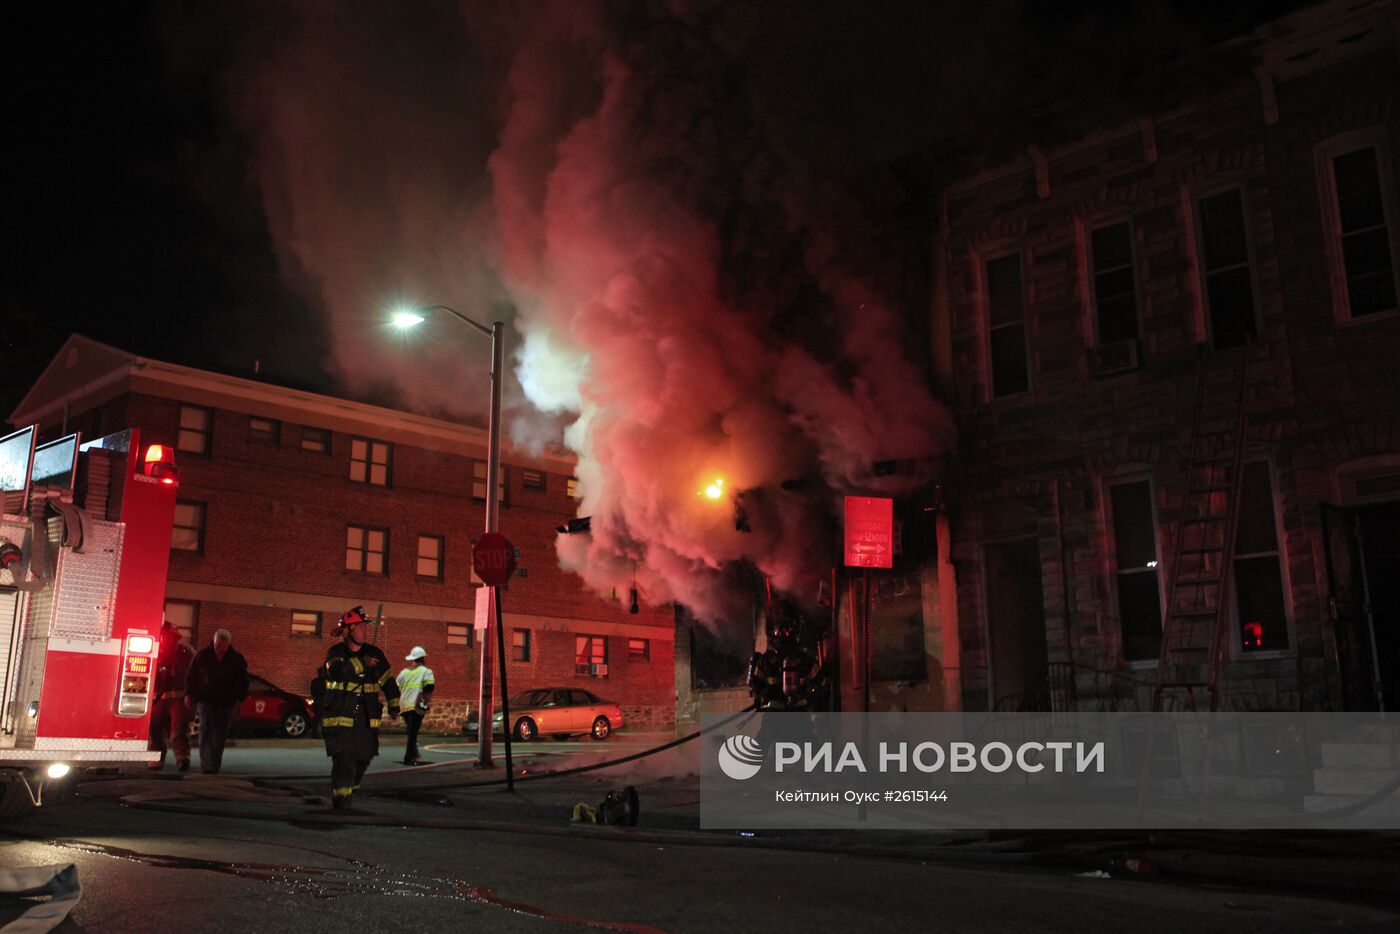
[
  {"x": 558, "y": 712},
  {"x": 268, "y": 708}
]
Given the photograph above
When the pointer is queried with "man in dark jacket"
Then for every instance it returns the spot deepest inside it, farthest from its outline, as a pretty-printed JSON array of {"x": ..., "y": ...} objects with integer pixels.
[
  {"x": 347, "y": 690},
  {"x": 217, "y": 682},
  {"x": 170, "y": 719}
]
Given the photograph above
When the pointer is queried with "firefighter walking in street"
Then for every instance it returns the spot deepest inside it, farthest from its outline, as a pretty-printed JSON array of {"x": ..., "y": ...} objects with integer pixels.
[
  {"x": 347, "y": 698},
  {"x": 170, "y": 718}
]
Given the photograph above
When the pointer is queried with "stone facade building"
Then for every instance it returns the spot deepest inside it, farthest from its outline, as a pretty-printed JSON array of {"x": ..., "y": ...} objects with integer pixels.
[
  {"x": 1084, "y": 287},
  {"x": 295, "y": 506}
]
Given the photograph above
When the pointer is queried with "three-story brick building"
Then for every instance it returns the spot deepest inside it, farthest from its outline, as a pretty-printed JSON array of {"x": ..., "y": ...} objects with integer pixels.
[
  {"x": 1084, "y": 287},
  {"x": 296, "y": 505}
]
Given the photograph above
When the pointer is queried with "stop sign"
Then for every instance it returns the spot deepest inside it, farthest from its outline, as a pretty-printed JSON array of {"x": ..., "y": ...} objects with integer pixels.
[{"x": 493, "y": 559}]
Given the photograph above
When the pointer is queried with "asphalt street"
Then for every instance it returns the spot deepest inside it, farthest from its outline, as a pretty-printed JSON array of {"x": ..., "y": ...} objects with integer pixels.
[{"x": 219, "y": 853}]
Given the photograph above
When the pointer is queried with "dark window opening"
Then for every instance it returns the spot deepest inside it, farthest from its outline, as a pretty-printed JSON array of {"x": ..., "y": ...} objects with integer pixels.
[
  {"x": 1007, "y": 327},
  {"x": 1229, "y": 284}
]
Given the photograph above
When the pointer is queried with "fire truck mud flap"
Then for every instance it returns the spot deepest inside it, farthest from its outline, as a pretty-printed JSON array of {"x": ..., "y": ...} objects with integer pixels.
[{"x": 59, "y": 883}]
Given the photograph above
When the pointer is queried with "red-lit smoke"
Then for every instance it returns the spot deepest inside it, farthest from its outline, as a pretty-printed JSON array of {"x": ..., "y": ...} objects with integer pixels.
[{"x": 686, "y": 297}]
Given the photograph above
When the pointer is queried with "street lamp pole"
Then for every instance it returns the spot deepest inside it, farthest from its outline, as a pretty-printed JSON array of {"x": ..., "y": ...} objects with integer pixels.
[{"x": 493, "y": 513}]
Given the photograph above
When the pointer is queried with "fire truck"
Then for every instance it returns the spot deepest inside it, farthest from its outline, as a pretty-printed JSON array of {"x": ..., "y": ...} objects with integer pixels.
[{"x": 84, "y": 550}]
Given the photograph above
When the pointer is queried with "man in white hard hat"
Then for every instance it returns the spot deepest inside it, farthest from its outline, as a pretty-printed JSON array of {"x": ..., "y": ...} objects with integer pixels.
[{"x": 415, "y": 693}]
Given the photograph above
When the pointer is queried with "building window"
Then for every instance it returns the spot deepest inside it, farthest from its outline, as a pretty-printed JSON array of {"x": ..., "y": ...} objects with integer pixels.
[
  {"x": 195, "y": 423},
  {"x": 306, "y": 623},
  {"x": 591, "y": 655},
  {"x": 184, "y": 616},
  {"x": 1115, "y": 285},
  {"x": 460, "y": 634},
  {"x": 1259, "y": 603},
  {"x": 188, "y": 531},
  {"x": 573, "y": 488},
  {"x": 532, "y": 479},
  {"x": 367, "y": 550},
  {"x": 369, "y": 462},
  {"x": 1135, "y": 570},
  {"x": 1229, "y": 284},
  {"x": 317, "y": 440},
  {"x": 1006, "y": 327},
  {"x": 430, "y": 556},
  {"x": 1358, "y": 226},
  {"x": 479, "y": 482},
  {"x": 263, "y": 430},
  {"x": 520, "y": 645},
  {"x": 639, "y": 650}
]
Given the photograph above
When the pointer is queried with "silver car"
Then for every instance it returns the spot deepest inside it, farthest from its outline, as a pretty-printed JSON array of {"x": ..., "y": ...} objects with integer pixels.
[{"x": 557, "y": 712}]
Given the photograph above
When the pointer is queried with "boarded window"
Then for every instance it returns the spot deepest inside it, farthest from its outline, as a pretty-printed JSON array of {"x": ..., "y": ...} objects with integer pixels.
[
  {"x": 639, "y": 650},
  {"x": 532, "y": 479},
  {"x": 459, "y": 634}
]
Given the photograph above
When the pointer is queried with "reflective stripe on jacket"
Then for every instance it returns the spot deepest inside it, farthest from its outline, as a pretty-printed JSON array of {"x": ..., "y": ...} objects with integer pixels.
[
  {"x": 352, "y": 682},
  {"x": 413, "y": 682}
]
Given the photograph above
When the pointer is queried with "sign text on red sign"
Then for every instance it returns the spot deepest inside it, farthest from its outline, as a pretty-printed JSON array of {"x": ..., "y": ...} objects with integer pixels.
[{"x": 869, "y": 532}]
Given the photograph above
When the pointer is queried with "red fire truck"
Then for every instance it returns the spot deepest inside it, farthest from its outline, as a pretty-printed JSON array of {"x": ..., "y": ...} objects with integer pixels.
[{"x": 84, "y": 549}]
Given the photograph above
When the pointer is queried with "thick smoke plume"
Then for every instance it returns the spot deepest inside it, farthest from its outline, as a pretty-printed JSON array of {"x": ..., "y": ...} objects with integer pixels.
[{"x": 690, "y": 298}]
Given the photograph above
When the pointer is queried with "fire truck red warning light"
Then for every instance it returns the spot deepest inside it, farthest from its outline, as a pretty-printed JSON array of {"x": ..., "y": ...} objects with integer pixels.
[{"x": 160, "y": 464}]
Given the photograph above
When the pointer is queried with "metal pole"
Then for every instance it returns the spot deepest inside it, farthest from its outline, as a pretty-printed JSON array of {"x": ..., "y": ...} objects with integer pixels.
[
  {"x": 485, "y": 704},
  {"x": 505, "y": 696}
]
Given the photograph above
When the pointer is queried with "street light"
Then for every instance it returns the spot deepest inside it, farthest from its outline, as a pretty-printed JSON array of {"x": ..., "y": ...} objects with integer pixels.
[{"x": 410, "y": 317}]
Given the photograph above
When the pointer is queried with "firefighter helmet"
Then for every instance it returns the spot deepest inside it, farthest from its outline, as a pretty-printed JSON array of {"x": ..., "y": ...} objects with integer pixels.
[{"x": 350, "y": 617}]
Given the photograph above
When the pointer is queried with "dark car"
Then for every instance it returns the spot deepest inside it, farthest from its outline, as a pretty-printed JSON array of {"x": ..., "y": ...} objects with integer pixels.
[
  {"x": 269, "y": 709},
  {"x": 559, "y": 712}
]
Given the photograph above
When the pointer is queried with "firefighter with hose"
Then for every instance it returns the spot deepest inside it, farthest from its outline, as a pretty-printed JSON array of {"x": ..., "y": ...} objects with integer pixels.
[{"x": 347, "y": 689}]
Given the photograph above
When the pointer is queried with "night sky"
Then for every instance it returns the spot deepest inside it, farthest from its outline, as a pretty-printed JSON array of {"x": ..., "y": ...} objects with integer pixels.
[{"x": 136, "y": 215}]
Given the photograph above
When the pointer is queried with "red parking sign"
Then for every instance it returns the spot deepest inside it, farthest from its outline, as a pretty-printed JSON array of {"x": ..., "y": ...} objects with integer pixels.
[
  {"x": 869, "y": 532},
  {"x": 493, "y": 559}
]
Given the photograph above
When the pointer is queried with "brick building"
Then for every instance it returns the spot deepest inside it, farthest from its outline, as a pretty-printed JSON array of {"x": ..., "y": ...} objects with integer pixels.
[
  {"x": 295, "y": 506},
  {"x": 1076, "y": 281}
]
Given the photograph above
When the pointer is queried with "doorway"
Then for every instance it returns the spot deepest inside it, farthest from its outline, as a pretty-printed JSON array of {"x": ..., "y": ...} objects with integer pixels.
[
  {"x": 1018, "y": 654},
  {"x": 1363, "y": 570}
]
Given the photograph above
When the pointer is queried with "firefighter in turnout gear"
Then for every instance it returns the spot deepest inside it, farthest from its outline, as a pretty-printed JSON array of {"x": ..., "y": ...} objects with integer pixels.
[{"x": 347, "y": 698}]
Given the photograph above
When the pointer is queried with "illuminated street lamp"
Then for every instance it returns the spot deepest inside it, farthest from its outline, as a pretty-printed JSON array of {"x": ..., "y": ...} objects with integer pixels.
[{"x": 411, "y": 317}]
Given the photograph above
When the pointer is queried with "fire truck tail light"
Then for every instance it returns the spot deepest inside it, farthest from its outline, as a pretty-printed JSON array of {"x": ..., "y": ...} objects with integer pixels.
[
  {"x": 135, "y": 684},
  {"x": 141, "y": 645},
  {"x": 132, "y": 705}
]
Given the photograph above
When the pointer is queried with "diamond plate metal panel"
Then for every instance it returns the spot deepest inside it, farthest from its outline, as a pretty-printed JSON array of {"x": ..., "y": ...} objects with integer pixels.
[
  {"x": 87, "y": 586},
  {"x": 81, "y": 743},
  {"x": 12, "y": 608}
]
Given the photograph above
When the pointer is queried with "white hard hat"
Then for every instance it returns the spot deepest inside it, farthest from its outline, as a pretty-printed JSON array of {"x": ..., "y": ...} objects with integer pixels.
[{"x": 415, "y": 654}]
